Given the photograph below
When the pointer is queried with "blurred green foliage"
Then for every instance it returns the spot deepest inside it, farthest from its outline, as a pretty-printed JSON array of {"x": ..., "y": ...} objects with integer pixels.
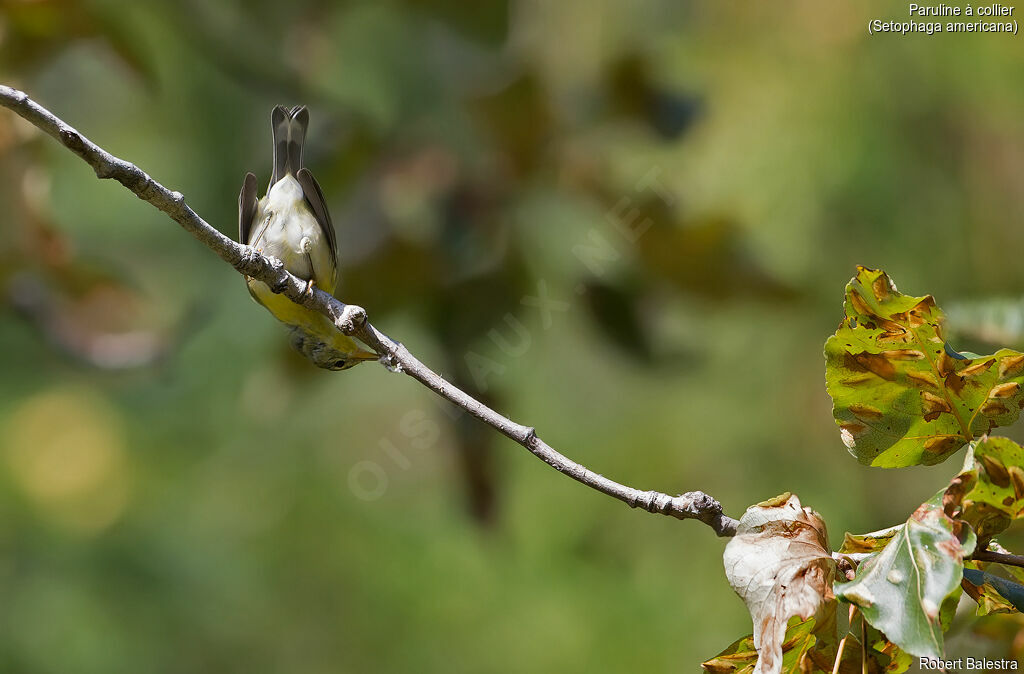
[{"x": 176, "y": 487}]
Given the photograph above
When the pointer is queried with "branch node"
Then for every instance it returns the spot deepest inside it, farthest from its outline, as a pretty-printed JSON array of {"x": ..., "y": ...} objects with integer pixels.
[
  {"x": 351, "y": 320},
  {"x": 530, "y": 436},
  {"x": 280, "y": 283},
  {"x": 246, "y": 260},
  {"x": 700, "y": 505},
  {"x": 643, "y": 500},
  {"x": 73, "y": 141},
  {"x": 147, "y": 186},
  {"x": 390, "y": 363}
]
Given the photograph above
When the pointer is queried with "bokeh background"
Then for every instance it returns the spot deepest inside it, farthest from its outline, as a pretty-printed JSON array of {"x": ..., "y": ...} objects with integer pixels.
[{"x": 691, "y": 184}]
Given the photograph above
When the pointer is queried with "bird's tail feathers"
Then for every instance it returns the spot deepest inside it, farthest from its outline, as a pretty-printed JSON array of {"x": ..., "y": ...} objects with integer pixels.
[{"x": 289, "y": 127}]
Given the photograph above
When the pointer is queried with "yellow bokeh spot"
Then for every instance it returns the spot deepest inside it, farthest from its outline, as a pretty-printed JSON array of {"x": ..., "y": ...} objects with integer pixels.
[{"x": 65, "y": 449}]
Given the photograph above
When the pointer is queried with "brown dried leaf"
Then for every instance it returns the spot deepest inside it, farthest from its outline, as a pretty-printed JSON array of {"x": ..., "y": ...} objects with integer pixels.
[{"x": 780, "y": 564}]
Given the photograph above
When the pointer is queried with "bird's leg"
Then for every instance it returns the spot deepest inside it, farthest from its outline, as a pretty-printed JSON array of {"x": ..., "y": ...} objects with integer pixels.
[{"x": 306, "y": 245}]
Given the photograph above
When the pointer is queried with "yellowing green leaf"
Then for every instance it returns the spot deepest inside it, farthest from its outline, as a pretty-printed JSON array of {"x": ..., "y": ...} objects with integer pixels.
[
  {"x": 902, "y": 396},
  {"x": 872, "y": 542},
  {"x": 804, "y": 651}
]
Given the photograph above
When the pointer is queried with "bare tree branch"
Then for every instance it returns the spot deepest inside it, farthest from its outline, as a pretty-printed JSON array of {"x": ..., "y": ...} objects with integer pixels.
[{"x": 351, "y": 319}]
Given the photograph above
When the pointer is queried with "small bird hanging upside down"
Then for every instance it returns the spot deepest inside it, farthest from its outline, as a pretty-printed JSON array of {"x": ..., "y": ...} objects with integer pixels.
[{"x": 291, "y": 223}]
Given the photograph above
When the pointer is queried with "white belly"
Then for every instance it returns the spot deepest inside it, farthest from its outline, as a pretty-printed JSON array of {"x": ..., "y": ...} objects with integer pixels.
[{"x": 285, "y": 227}]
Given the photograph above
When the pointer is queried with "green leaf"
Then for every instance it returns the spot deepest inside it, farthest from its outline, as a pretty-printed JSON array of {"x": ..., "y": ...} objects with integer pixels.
[
  {"x": 901, "y": 590},
  {"x": 949, "y": 605},
  {"x": 902, "y": 396},
  {"x": 997, "y": 497},
  {"x": 806, "y": 649}
]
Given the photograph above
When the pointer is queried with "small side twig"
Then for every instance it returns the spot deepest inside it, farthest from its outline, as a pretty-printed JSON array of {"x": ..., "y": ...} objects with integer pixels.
[
  {"x": 351, "y": 319},
  {"x": 998, "y": 558}
]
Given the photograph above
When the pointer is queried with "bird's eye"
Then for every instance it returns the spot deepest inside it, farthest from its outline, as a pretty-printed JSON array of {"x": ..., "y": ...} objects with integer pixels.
[{"x": 338, "y": 364}]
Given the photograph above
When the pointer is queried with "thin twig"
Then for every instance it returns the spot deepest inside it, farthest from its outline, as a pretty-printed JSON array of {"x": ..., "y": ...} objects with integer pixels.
[
  {"x": 992, "y": 556},
  {"x": 1003, "y": 558},
  {"x": 839, "y": 654},
  {"x": 863, "y": 640},
  {"x": 351, "y": 319}
]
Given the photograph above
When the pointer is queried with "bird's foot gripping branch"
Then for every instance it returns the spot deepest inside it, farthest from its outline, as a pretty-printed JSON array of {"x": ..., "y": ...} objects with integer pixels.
[{"x": 902, "y": 396}]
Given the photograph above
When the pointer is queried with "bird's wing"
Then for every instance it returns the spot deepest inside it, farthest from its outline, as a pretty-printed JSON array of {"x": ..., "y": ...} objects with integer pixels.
[
  {"x": 247, "y": 202},
  {"x": 315, "y": 198}
]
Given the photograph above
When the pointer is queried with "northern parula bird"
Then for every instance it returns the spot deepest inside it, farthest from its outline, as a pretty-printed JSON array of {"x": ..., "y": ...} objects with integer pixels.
[{"x": 291, "y": 223}]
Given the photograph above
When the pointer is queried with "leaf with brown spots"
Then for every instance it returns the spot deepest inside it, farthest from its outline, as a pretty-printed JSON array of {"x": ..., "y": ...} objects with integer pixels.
[
  {"x": 808, "y": 648},
  {"x": 779, "y": 563},
  {"x": 997, "y": 494},
  {"x": 873, "y": 542},
  {"x": 901, "y": 395},
  {"x": 903, "y": 589}
]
